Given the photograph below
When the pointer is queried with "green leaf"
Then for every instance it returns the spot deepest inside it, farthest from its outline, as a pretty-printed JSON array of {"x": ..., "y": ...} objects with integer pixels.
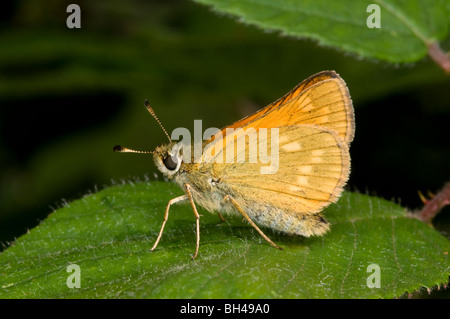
[
  {"x": 109, "y": 235},
  {"x": 406, "y": 30}
]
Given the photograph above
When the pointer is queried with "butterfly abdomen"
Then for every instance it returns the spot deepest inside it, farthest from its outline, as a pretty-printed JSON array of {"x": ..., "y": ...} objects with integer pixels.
[
  {"x": 211, "y": 196},
  {"x": 290, "y": 223}
]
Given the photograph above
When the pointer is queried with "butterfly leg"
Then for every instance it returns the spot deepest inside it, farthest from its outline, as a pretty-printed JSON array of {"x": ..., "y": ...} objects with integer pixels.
[
  {"x": 166, "y": 216},
  {"x": 222, "y": 219},
  {"x": 188, "y": 188},
  {"x": 235, "y": 204}
]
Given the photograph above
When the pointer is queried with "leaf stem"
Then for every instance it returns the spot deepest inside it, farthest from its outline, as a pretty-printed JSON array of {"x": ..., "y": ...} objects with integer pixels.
[
  {"x": 434, "y": 205},
  {"x": 440, "y": 57}
]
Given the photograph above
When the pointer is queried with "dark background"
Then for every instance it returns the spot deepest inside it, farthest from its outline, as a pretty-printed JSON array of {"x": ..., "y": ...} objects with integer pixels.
[{"x": 67, "y": 96}]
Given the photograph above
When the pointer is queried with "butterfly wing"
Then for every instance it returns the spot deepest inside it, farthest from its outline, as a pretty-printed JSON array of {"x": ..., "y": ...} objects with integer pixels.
[
  {"x": 322, "y": 99},
  {"x": 315, "y": 126},
  {"x": 312, "y": 169}
]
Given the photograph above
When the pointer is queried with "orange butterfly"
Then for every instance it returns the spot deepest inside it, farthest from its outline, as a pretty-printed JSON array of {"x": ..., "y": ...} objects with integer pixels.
[{"x": 314, "y": 125}]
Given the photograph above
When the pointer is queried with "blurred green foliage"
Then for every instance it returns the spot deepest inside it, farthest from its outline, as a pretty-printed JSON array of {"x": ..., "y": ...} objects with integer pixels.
[{"x": 68, "y": 95}]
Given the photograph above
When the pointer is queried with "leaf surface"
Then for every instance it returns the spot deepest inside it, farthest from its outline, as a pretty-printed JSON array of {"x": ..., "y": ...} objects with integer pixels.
[
  {"x": 406, "y": 27},
  {"x": 109, "y": 235}
]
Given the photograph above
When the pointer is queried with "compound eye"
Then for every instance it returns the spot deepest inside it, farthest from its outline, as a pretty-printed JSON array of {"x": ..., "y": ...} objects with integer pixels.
[{"x": 170, "y": 162}]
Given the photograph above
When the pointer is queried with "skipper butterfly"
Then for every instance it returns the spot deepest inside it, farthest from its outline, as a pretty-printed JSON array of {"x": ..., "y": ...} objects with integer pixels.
[{"x": 314, "y": 126}]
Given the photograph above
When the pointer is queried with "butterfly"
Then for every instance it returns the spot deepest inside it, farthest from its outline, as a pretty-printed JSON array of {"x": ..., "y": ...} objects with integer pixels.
[{"x": 314, "y": 125}]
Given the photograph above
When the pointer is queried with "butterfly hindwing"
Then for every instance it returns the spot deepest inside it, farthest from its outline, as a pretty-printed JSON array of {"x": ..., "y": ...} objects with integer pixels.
[{"x": 313, "y": 166}]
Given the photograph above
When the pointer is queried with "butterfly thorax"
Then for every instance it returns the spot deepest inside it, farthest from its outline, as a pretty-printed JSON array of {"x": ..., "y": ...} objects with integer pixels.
[{"x": 206, "y": 186}]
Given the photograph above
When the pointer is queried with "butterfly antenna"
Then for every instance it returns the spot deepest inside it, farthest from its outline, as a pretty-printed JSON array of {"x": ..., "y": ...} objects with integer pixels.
[
  {"x": 150, "y": 110},
  {"x": 122, "y": 149}
]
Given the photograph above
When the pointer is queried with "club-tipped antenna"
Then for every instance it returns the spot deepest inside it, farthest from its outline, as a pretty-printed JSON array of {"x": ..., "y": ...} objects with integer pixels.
[
  {"x": 122, "y": 149},
  {"x": 150, "y": 110}
]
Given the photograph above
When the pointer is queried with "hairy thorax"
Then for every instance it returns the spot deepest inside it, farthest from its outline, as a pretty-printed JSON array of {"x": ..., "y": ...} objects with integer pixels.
[{"x": 207, "y": 190}]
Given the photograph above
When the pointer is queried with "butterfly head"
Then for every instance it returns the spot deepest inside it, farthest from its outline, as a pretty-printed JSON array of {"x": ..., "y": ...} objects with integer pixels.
[{"x": 168, "y": 159}]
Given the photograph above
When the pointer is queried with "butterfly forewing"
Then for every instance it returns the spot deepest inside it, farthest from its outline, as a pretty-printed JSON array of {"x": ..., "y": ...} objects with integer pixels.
[
  {"x": 323, "y": 100},
  {"x": 324, "y": 105}
]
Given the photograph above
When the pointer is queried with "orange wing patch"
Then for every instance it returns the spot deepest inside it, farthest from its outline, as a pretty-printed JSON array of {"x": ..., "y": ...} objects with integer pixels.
[{"x": 327, "y": 105}]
